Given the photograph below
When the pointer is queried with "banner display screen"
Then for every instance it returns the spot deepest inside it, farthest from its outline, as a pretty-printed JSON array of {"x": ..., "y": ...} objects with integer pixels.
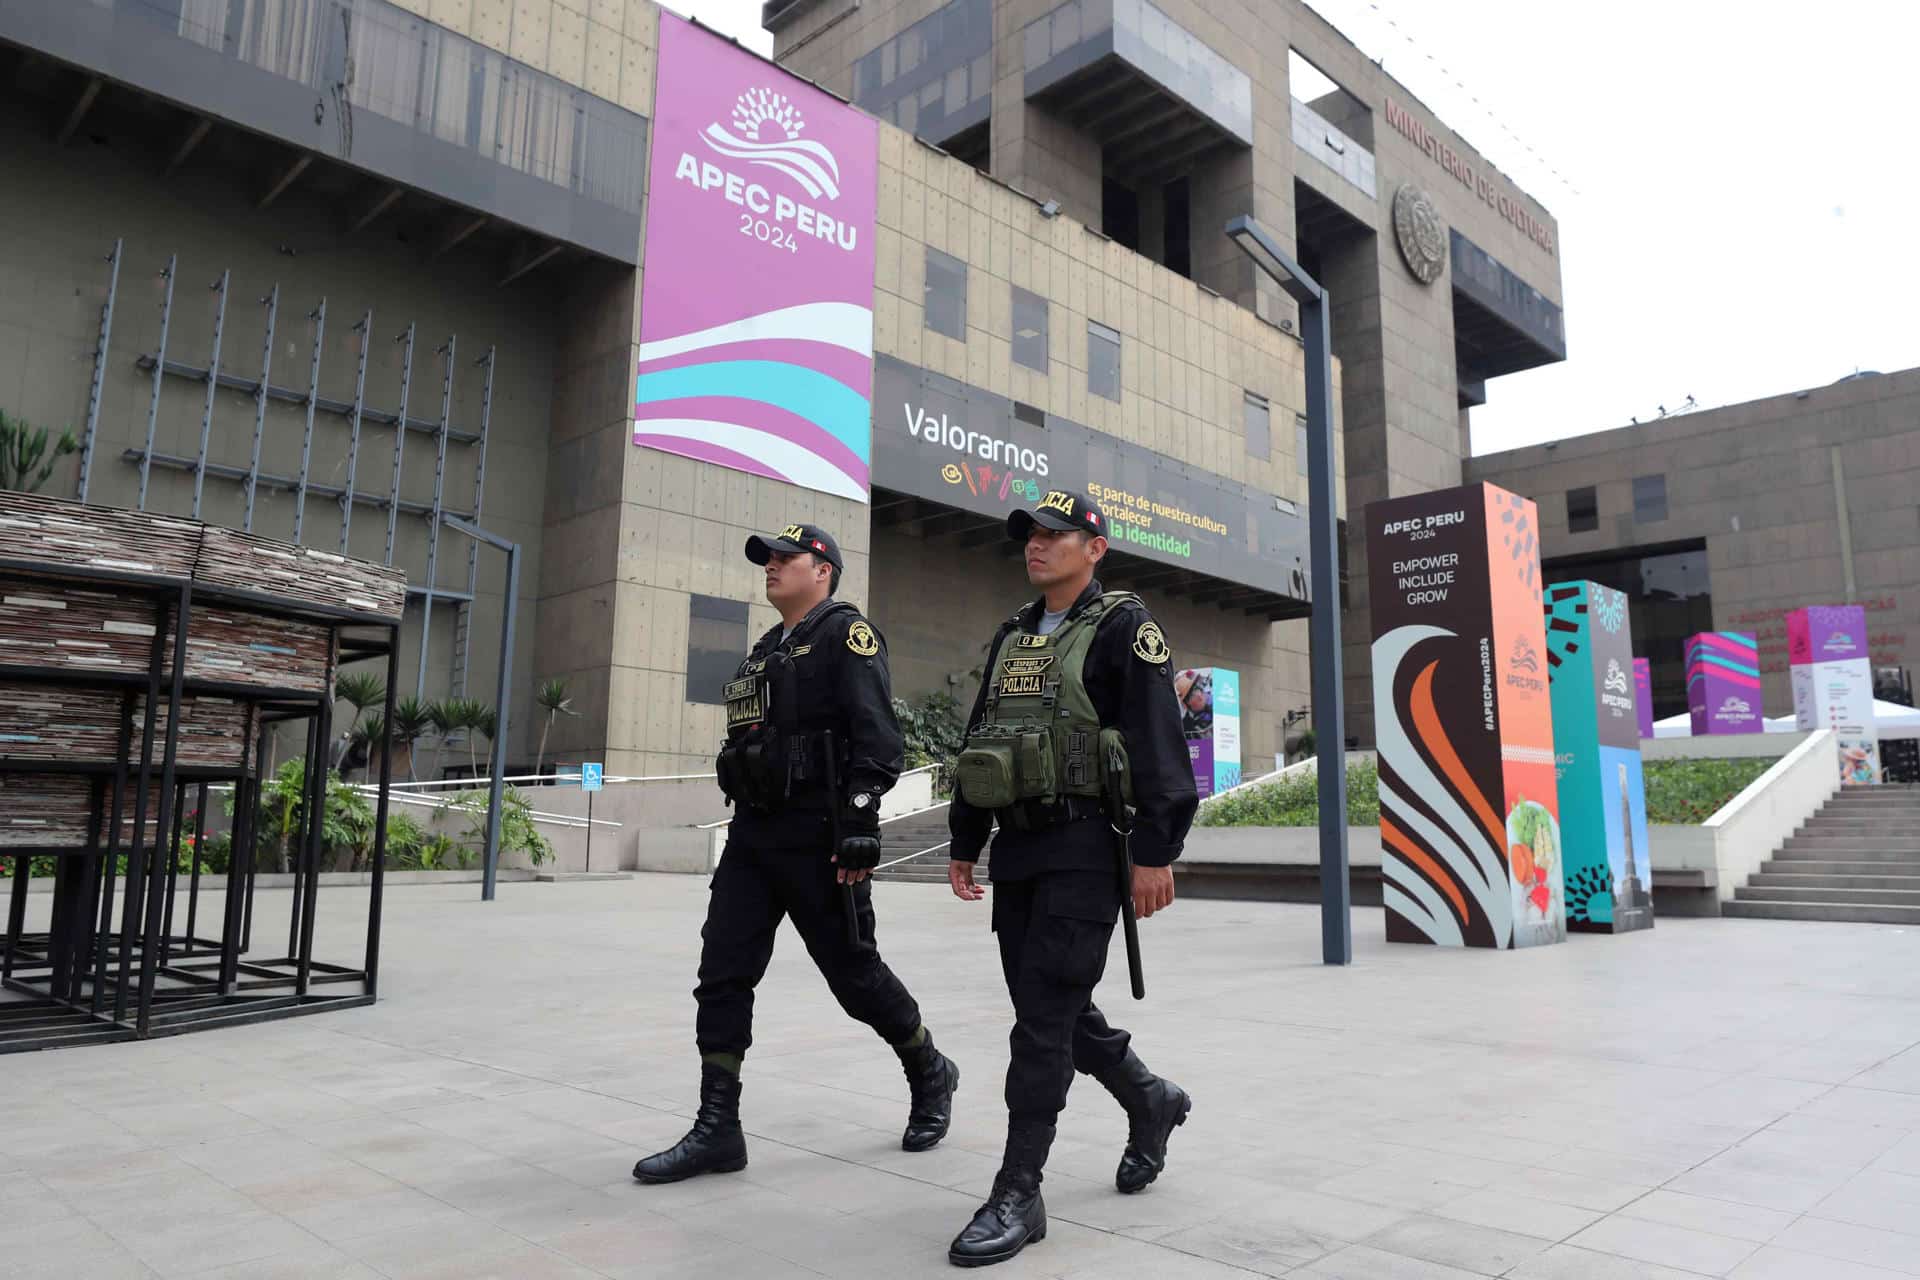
[
  {"x": 1723, "y": 683},
  {"x": 1596, "y": 742},
  {"x": 1833, "y": 684},
  {"x": 937, "y": 438},
  {"x": 1469, "y": 811},
  {"x": 1210, "y": 719},
  {"x": 756, "y": 303}
]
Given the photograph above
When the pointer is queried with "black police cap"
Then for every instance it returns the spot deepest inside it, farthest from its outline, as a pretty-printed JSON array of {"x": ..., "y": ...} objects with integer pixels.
[
  {"x": 793, "y": 540},
  {"x": 1062, "y": 509}
]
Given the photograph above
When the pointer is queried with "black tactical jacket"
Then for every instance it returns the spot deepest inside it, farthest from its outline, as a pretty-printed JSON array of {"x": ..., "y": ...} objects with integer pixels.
[{"x": 839, "y": 682}]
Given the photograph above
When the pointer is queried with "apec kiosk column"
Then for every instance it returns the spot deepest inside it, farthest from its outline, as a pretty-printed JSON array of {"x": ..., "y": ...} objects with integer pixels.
[
  {"x": 1643, "y": 694},
  {"x": 1596, "y": 741},
  {"x": 1469, "y": 815},
  {"x": 1723, "y": 683},
  {"x": 1833, "y": 684}
]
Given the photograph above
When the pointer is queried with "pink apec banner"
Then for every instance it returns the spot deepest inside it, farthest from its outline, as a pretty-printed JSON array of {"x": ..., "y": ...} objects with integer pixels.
[
  {"x": 1643, "y": 695},
  {"x": 1826, "y": 633},
  {"x": 1833, "y": 684},
  {"x": 756, "y": 310},
  {"x": 1723, "y": 683}
]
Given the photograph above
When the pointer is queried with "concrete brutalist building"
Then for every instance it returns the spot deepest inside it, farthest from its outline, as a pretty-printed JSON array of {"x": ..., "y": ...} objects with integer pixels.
[
  {"x": 442, "y": 204},
  {"x": 1726, "y": 519}
]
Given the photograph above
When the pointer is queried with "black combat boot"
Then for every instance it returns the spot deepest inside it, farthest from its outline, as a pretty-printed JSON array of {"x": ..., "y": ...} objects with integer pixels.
[
  {"x": 1154, "y": 1108},
  {"x": 931, "y": 1079},
  {"x": 1014, "y": 1215},
  {"x": 714, "y": 1144}
]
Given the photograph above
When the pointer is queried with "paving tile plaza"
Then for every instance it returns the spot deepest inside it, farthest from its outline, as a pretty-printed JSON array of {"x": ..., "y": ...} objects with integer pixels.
[{"x": 1718, "y": 1097}]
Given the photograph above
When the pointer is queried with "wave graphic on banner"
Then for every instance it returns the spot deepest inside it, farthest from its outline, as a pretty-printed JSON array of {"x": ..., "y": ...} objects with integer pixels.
[
  {"x": 1446, "y": 874},
  {"x": 806, "y": 162},
  {"x": 772, "y": 417}
]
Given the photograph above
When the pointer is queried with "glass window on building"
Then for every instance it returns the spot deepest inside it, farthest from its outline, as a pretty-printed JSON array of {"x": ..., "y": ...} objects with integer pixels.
[
  {"x": 1300, "y": 442},
  {"x": 1103, "y": 361},
  {"x": 1259, "y": 427},
  {"x": 716, "y": 639},
  {"x": 1649, "y": 499},
  {"x": 1669, "y": 597},
  {"x": 1583, "y": 510},
  {"x": 1029, "y": 329},
  {"x": 946, "y": 295}
]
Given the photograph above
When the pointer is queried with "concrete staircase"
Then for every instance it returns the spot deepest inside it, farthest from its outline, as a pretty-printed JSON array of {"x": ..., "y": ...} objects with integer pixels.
[
  {"x": 910, "y": 835},
  {"x": 1858, "y": 859}
]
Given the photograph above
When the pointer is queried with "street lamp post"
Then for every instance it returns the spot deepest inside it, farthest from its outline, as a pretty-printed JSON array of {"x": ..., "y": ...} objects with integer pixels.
[{"x": 1329, "y": 719}]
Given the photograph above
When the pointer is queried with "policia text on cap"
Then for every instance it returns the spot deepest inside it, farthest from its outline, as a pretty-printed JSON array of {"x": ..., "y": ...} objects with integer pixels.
[
  {"x": 1073, "y": 747},
  {"x": 812, "y": 744}
]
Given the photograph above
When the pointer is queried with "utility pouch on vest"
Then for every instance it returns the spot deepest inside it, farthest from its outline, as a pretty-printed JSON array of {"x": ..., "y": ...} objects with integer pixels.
[
  {"x": 1033, "y": 765},
  {"x": 985, "y": 771}
]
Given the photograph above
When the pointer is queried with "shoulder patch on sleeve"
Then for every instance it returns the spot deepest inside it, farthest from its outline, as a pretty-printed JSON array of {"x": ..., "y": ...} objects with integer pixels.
[
  {"x": 861, "y": 639},
  {"x": 1149, "y": 645}
]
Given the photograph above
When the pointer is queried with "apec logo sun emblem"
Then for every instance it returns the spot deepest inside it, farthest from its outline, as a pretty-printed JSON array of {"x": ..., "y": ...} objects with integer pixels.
[
  {"x": 1610, "y": 610},
  {"x": 766, "y": 131},
  {"x": 1526, "y": 659},
  {"x": 1838, "y": 642},
  {"x": 1736, "y": 706},
  {"x": 1616, "y": 678}
]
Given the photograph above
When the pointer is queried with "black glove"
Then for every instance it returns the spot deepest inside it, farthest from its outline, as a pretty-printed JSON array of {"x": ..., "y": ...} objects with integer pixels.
[{"x": 858, "y": 853}]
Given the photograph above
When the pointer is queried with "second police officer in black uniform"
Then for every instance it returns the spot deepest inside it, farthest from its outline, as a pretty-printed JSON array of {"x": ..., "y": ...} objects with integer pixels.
[
  {"x": 812, "y": 744},
  {"x": 1078, "y": 704}
]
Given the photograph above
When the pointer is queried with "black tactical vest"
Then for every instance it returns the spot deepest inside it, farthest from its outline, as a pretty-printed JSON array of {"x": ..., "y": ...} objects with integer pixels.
[{"x": 775, "y": 753}]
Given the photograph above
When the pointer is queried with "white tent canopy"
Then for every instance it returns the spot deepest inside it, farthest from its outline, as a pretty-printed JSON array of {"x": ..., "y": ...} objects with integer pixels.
[{"x": 1890, "y": 719}]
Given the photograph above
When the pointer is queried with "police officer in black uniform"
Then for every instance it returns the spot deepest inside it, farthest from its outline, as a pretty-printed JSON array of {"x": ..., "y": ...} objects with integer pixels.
[
  {"x": 812, "y": 744},
  {"x": 1079, "y": 685}
]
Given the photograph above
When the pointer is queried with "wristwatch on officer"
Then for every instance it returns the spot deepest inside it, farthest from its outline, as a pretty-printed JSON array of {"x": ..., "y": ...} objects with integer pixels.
[{"x": 862, "y": 800}]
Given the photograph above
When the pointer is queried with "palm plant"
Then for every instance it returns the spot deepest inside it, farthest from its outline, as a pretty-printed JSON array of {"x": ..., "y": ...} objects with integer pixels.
[
  {"x": 370, "y": 732},
  {"x": 554, "y": 699},
  {"x": 412, "y": 718},
  {"x": 440, "y": 717},
  {"x": 485, "y": 723},
  {"x": 360, "y": 690},
  {"x": 25, "y": 460},
  {"x": 465, "y": 715}
]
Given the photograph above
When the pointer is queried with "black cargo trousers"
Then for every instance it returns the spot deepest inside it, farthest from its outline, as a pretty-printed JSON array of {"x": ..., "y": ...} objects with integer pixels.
[
  {"x": 1053, "y": 928},
  {"x": 753, "y": 889}
]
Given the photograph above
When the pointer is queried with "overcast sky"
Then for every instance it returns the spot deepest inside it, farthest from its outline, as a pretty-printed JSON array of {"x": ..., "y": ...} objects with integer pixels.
[{"x": 1738, "y": 200}]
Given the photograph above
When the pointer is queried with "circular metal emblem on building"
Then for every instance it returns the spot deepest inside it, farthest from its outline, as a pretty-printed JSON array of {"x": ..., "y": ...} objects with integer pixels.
[{"x": 1422, "y": 236}]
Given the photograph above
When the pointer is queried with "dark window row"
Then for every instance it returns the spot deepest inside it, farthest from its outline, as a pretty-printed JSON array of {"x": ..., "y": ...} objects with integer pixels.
[
  {"x": 944, "y": 307},
  {"x": 1649, "y": 504}
]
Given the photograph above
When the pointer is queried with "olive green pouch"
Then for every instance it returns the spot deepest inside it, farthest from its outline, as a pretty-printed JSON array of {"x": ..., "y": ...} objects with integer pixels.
[{"x": 985, "y": 773}]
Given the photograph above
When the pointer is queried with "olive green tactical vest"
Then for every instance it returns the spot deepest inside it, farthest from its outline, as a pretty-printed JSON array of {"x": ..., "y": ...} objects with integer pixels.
[{"x": 1039, "y": 737}]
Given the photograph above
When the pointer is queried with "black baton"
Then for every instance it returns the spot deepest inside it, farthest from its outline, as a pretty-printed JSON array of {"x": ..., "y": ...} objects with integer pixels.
[
  {"x": 1123, "y": 864},
  {"x": 833, "y": 834}
]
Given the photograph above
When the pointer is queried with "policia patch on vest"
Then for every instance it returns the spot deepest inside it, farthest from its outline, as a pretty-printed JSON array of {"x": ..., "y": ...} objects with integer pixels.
[
  {"x": 744, "y": 705},
  {"x": 1020, "y": 686},
  {"x": 1149, "y": 645},
  {"x": 861, "y": 640}
]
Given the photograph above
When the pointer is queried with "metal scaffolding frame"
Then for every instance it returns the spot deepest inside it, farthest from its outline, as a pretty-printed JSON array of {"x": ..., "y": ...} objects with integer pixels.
[
  {"x": 159, "y": 363},
  {"x": 319, "y": 318},
  {"x": 433, "y": 525},
  {"x": 399, "y": 440},
  {"x": 219, "y": 286},
  {"x": 272, "y": 302},
  {"x": 364, "y": 330},
  {"x": 354, "y": 415},
  {"x": 463, "y": 618},
  {"x": 98, "y": 382}
]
